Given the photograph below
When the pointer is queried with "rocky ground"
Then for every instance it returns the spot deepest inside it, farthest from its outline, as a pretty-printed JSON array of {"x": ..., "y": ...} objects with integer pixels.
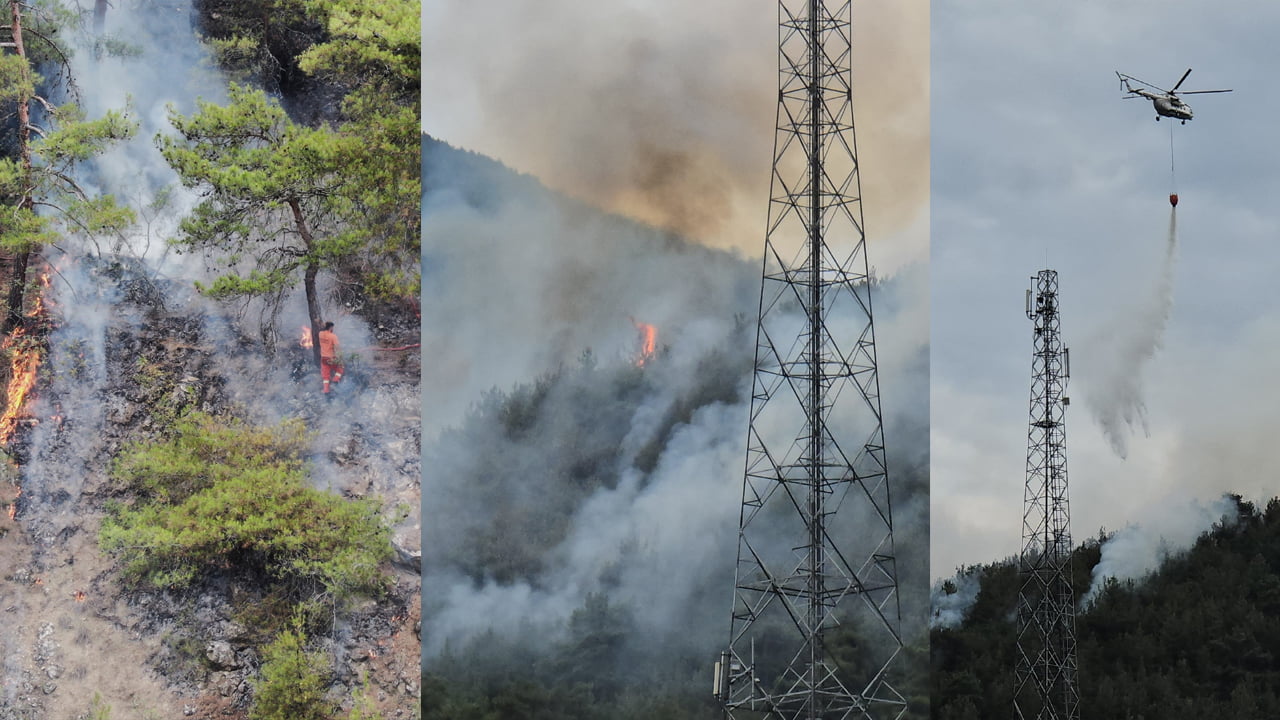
[{"x": 126, "y": 352}]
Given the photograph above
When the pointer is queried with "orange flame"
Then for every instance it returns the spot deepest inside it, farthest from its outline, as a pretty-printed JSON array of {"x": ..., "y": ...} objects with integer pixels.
[
  {"x": 648, "y": 342},
  {"x": 24, "y": 362},
  {"x": 38, "y": 310},
  {"x": 305, "y": 340},
  {"x": 23, "y": 365}
]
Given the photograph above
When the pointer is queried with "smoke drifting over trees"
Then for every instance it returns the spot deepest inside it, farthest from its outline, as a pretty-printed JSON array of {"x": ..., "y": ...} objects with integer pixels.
[
  {"x": 126, "y": 348},
  {"x": 582, "y": 504},
  {"x": 1192, "y": 639}
]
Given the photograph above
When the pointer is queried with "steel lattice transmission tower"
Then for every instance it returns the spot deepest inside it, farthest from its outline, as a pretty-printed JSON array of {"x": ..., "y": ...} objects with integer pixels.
[
  {"x": 1045, "y": 683},
  {"x": 815, "y": 549}
]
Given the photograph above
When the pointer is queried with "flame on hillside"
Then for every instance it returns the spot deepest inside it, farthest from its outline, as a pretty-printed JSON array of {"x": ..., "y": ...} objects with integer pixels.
[
  {"x": 648, "y": 342},
  {"x": 305, "y": 339},
  {"x": 24, "y": 360}
]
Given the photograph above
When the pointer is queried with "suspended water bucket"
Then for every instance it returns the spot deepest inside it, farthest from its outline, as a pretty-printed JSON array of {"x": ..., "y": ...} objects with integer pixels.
[{"x": 1173, "y": 199}]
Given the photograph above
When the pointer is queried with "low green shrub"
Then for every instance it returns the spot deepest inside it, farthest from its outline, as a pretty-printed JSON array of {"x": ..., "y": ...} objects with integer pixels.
[{"x": 228, "y": 496}]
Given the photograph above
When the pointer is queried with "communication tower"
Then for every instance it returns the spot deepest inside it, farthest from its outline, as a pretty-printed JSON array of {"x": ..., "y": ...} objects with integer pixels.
[
  {"x": 1045, "y": 680},
  {"x": 815, "y": 545}
]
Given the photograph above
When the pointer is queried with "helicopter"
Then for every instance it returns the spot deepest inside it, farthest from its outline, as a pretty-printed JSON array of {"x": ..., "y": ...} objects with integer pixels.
[{"x": 1167, "y": 102}]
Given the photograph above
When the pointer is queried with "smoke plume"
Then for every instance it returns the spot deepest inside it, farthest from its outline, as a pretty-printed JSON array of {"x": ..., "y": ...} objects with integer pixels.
[
  {"x": 1135, "y": 550},
  {"x": 951, "y": 598},
  {"x": 663, "y": 111},
  {"x": 1115, "y": 391},
  {"x": 130, "y": 340},
  {"x": 563, "y": 467}
]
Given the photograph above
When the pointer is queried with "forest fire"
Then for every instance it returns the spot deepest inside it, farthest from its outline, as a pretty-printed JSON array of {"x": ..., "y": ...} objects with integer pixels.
[
  {"x": 25, "y": 361},
  {"x": 648, "y": 342},
  {"x": 305, "y": 339},
  {"x": 25, "y": 355}
]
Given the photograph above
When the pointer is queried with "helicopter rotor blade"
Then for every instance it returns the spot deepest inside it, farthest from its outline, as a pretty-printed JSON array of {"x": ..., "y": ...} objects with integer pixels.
[
  {"x": 1201, "y": 92},
  {"x": 1143, "y": 82},
  {"x": 1184, "y": 77}
]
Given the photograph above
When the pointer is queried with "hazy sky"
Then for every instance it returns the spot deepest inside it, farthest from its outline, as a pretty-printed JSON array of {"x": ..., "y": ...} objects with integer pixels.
[
  {"x": 1038, "y": 162},
  {"x": 664, "y": 110}
]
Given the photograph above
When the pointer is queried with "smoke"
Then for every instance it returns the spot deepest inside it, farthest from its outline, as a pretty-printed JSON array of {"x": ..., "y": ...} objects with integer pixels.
[
  {"x": 622, "y": 478},
  {"x": 1135, "y": 550},
  {"x": 169, "y": 69},
  {"x": 520, "y": 282},
  {"x": 98, "y": 286},
  {"x": 75, "y": 415},
  {"x": 1123, "y": 349},
  {"x": 655, "y": 542},
  {"x": 125, "y": 306},
  {"x": 664, "y": 111},
  {"x": 560, "y": 467},
  {"x": 951, "y": 598}
]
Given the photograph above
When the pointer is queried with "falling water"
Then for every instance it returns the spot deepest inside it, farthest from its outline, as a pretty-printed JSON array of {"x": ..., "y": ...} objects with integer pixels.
[{"x": 1116, "y": 394}]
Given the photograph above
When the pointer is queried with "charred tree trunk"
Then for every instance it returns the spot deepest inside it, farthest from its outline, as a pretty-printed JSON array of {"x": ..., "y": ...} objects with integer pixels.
[
  {"x": 17, "y": 292},
  {"x": 309, "y": 278},
  {"x": 18, "y": 282},
  {"x": 313, "y": 308}
]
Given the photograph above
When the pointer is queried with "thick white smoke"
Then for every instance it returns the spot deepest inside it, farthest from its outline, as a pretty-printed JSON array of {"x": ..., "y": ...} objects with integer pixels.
[
  {"x": 1123, "y": 349},
  {"x": 521, "y": 282},
  {"x": 656, "y": 534},
  {"x": 1137, "y": 549},
  {"x": 951, "y": 598}
]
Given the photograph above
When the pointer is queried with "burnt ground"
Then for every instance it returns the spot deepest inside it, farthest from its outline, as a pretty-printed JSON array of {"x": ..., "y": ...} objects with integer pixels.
[{"x": 126, "y": 354}]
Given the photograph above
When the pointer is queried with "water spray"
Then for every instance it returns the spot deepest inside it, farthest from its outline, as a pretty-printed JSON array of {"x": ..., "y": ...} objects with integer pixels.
[{"x": 1131, "y": 341}]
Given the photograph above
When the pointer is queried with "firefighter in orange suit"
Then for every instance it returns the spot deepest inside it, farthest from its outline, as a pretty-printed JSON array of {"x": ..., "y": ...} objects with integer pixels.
[{"x": 330, "y": 367}]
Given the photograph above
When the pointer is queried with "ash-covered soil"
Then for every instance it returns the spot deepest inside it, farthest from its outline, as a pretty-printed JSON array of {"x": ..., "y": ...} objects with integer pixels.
[{"x": 126, "y": 353}]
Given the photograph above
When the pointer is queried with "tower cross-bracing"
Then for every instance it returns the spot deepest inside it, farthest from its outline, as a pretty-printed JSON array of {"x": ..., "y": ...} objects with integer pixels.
[
  {"x": 816, "y": 558},
  {"x": 1045, "y": 676}
]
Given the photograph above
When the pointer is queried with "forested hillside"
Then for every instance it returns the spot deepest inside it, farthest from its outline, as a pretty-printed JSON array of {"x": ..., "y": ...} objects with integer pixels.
[
  {"x": 195, "y": 526},
  {"x": 1195, "y": 639},
  {"x": 586, "y": 439}
]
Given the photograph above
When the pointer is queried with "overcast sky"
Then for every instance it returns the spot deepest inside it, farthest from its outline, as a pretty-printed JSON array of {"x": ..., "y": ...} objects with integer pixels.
[{"x": 1038, "y": 162}]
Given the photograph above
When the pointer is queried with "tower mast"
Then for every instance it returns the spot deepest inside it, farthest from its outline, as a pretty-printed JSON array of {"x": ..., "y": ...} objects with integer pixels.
[
  {"x": 1045, "y": 676},
  {"x": 815, "y": 544}
]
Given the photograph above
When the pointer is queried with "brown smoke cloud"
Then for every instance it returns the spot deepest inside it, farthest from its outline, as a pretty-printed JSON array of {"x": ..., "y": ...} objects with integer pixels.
[{"x": 664, "y": 111}]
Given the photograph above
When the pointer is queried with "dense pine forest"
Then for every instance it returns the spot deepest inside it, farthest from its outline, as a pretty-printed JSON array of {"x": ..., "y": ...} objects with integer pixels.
[{"x": 1195, "y": 639}]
